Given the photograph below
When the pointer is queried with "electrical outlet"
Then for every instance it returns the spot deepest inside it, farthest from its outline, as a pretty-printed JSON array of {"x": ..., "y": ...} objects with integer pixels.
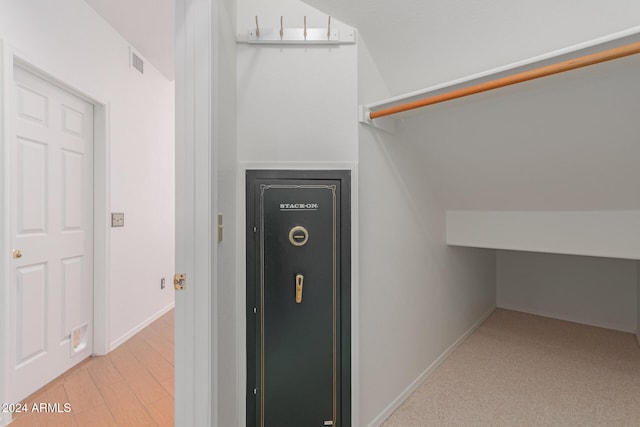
[
  {"x": 117, "y": 219},
  {"x": 162, "y": 283}
]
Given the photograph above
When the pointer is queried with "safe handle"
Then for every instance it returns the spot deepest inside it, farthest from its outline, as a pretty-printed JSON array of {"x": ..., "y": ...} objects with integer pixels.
[{"x": 299, "y": 283}]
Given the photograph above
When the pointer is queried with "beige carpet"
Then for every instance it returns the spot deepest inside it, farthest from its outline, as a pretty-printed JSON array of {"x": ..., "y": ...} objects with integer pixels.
[{"x": 523, "y": 370}]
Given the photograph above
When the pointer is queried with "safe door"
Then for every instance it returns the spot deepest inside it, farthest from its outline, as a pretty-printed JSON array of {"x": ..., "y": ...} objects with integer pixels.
[{"x": 294, "y": 313}]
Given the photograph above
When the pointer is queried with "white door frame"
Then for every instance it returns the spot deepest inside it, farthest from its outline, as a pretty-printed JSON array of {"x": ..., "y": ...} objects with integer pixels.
[
  {"x": 9, "y": 57},
  {"x": 5, "y": 87},
  {"x": 196, "y": 201}
]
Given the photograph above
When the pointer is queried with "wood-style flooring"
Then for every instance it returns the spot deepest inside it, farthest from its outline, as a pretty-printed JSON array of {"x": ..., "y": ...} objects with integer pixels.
[{"x": 131, "y": 386}]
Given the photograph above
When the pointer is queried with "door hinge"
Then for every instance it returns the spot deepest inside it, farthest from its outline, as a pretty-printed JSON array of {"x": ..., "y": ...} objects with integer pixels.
[
  {"x": 255, "y": 229},
  {"x": 220, "y": 228},
  {"x": 179, "y": 281}
]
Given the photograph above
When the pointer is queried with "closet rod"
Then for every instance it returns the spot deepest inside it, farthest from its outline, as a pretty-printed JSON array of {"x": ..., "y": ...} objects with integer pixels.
[{"x": 572, "y": 64}]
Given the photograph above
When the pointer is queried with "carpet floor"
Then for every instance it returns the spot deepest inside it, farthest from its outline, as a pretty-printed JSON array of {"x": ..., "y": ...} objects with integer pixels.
[{"x": 518, "y": 369}]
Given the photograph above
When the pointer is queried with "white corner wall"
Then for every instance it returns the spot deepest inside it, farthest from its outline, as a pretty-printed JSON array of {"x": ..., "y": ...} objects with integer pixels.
[
  {"x": 418, "y": 296},
  {"x": 73, "y": 43},
  {"x": 594, "y": 291}
]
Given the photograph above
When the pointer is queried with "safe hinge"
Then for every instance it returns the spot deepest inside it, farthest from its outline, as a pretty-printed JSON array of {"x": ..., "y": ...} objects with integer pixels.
[
  {"x": 255, "y": 229},
  {"x": 255, "y": 391},
  {"x": 179, "y": 281},
  {"x": 255, "y": 310}
]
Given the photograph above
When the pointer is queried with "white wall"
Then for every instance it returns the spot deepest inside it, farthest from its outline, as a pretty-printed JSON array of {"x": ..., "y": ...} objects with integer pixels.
[
  {"x": 594, "y": 291},
  {"x": 296, "y": 103},
  {"x": 562, "y": 143},
  {"x": 418, "y": 296},
  {"x": 73, "y": 43}
]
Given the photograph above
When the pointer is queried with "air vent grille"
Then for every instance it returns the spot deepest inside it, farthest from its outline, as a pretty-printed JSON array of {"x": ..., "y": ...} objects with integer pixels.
[{"x": 137, "y": 62}]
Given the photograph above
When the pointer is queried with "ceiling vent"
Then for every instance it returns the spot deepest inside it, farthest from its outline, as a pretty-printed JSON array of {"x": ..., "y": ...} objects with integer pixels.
[{"x": 136, "y": 61}]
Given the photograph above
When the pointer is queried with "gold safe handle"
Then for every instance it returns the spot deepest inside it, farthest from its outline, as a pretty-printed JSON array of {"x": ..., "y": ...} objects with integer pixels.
[{"x": 299, "y": 283}]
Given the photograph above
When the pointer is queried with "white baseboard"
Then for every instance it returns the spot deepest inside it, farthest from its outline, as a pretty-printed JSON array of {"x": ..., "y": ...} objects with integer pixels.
[
  {"x": 427, "y": 373},
  {"x": 115, "y": 344},
  {"x": 574, "y": 319}
]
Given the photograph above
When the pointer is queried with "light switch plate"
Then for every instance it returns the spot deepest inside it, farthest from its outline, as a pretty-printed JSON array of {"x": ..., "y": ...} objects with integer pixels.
[{"x": 117, "y": 219}]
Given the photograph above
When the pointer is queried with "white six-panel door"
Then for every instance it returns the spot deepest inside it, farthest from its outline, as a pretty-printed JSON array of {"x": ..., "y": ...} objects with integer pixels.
[{"x": 51, "y": 184}]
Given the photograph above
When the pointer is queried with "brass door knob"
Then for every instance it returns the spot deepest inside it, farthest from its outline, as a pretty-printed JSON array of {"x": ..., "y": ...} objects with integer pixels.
[{"x": 17, "y": 254}]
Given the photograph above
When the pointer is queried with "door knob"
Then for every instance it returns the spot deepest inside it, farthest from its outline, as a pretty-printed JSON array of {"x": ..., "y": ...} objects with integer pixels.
[
  {"x": 17, "y": 254},
  {"x": 299, "y": 283}
]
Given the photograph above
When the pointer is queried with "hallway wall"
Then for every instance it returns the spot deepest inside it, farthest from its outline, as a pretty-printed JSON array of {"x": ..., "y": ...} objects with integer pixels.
[{"x": 74, "y": 44}]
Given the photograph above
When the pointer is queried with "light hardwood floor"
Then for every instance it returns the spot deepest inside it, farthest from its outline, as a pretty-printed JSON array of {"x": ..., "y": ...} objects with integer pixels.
[{"x": 131, "y": 386}]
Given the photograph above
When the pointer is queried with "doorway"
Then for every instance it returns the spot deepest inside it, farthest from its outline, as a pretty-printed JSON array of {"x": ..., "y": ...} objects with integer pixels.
[{"x": 298, "y": 298}]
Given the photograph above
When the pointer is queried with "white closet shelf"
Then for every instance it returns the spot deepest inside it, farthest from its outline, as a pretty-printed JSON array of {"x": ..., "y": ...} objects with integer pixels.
[{"x": 610, "y": 234}]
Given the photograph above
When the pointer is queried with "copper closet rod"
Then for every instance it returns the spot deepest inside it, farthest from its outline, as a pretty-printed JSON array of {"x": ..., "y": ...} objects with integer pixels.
[{"x": 572, "y": 64}]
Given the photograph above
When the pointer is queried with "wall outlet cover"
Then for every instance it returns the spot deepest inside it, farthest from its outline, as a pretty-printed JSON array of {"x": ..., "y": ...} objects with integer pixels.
[{"x": 117, "y": 219}]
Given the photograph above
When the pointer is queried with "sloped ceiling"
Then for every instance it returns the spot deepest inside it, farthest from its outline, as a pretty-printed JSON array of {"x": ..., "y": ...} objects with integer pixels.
[
  {"x": 565, "y": 142},
  {"x": 418, "y": 43},
  {"x": 148, "y": 25}
]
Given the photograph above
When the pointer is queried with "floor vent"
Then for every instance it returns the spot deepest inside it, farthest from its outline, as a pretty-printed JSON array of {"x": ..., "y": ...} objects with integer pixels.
[{"x": 136, "y": 62}]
